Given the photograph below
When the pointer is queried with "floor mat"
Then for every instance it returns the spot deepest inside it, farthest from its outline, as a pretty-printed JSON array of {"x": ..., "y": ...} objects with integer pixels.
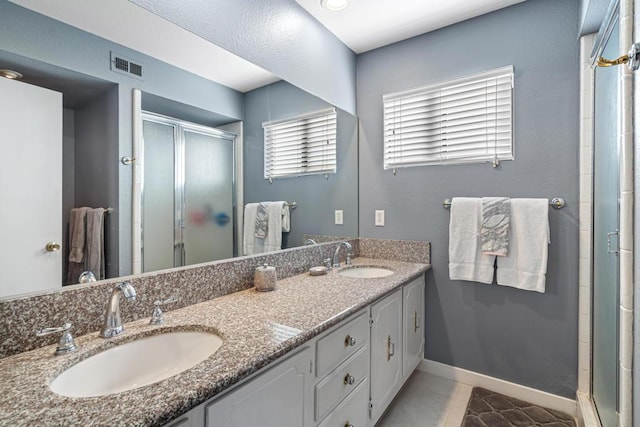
[{"x": 490, "y": 409}]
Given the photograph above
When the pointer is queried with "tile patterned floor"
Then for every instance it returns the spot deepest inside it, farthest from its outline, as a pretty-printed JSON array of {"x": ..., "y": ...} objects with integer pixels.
[
  {"x": 489, "y": 409},
  {"x": 431, "y": 401}
]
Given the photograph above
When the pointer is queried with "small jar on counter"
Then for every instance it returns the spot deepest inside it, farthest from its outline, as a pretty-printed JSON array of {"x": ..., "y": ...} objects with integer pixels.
[{"x": 265, "y": 278}]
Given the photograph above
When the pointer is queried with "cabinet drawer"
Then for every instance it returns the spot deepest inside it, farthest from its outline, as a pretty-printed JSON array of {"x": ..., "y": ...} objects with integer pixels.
[
  {"x": 342, "y": 381},
  {"x": 353, "y": 411},
  {"x": 334, "y": 348}
]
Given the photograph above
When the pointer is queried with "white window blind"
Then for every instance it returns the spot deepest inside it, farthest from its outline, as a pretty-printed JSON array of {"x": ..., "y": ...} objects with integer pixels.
[
  {"x": 468, "y": 120},
  {"x": 302, "y": 145}
]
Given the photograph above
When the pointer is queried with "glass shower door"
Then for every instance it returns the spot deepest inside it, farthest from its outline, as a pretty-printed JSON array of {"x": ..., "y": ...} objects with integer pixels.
[
  {"x": 188, "y": 193},
  {"x": 605, "y": 239},
  {"x": 158, "y": 196},
  {"x": 208, "y": 197}
]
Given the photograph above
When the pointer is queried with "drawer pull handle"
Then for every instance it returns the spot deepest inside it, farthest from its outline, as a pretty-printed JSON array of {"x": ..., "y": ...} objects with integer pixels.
[
  {"x": 349, "y": 341},
  {"x": 349, "y": 380},
  {"x": 391, "y": 348},
  {"x": 348, "y": 424},
  {"x": 416, "y": 321}
]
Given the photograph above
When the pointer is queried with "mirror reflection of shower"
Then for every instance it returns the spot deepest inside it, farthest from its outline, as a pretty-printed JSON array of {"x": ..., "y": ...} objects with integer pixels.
[{"x": 188, "y": 193}]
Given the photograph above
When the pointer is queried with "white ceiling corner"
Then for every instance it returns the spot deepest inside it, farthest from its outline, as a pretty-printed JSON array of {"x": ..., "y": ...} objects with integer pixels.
[{"x": 368, "y": 24}]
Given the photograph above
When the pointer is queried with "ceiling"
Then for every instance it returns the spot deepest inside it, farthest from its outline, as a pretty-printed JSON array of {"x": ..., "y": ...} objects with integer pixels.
[
  {"x": 130, "y": 25},
  {"x": 363, "y": 25},
  {"x": 368, "y": 24}
]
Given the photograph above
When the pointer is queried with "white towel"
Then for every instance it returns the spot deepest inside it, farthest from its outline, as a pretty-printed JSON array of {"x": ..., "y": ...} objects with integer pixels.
[
  {"x": 525, "y": 267},
  {"x": 273, "y": 239},
  {"x": 466, "y": 261},
  {"x": 249, "y": 239},
  {"x": 286, "y": 217}
]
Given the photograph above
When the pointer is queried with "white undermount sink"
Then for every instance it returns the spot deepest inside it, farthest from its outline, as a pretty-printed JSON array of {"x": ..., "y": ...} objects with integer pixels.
[
  {"x": 365, "y": 272},
  {"x": 136, "y": 363}
]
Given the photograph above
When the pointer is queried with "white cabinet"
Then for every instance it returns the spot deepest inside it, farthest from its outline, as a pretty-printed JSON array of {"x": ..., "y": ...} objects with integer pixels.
[
  {"x": 352, "y": 411},
  {"x": 386, "y": 352},
  {"x": 280, "y": 397},
  {"x": 347, "y": 376},
  {"x": 342, "y": 371},
  {"x": 412, "y": 325},
  {"x": 336, "y": 346}
]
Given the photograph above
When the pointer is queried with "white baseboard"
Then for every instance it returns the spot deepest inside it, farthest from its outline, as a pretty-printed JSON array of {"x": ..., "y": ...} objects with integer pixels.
[{"x": 538, "y": 397}]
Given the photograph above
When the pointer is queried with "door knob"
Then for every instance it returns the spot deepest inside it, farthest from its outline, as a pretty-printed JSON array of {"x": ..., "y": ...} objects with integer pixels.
[{"x": 52, "y": 247}]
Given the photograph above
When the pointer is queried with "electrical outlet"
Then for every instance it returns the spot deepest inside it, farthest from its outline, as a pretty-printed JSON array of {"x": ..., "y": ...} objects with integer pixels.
[
  {"x": 379, "y": 222},
  {"x": 339, "y": 218}
]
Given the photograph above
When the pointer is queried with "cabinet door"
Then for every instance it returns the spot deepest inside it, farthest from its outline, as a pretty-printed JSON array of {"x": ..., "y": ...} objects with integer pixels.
[
  {"x": 277, "y": 398},
  {"x": 412, "y": 317},
  {"x": 386, "y": 352}
]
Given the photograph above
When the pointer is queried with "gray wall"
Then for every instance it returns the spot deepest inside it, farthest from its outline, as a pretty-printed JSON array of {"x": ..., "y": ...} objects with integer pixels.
[
  {"x": 68, "y": 183},
  {"x": 317, "y": 197},
  {"x": 96, "y": 183},
  {"x": 64, "y": 46},
  {"x": 277, "y": 35},
  {"x": 519, "y": 336}
]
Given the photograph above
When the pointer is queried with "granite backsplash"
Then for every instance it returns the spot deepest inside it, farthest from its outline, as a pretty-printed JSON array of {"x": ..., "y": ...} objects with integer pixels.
[{"x": 83, "y": 305}]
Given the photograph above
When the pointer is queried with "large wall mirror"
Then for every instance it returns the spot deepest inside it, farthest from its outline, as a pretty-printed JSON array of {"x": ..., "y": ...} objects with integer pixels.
[{"x": 97, "y": 124}]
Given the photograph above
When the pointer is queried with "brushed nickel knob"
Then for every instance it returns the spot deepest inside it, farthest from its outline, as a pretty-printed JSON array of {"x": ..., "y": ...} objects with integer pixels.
[
  {"x": 349, "y": 341},
  {"x": 52, "y": 247},
  {"x": 349, "y": 379}
]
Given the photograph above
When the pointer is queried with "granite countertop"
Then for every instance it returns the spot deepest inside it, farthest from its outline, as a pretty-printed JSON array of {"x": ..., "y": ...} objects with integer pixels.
[{"x": 256, "y": 327}]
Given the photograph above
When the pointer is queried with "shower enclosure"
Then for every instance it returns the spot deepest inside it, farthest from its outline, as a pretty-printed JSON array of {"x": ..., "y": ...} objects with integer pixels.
[
  {"x": 188, "y": 193},
  {"x": 606, "y": 227}
]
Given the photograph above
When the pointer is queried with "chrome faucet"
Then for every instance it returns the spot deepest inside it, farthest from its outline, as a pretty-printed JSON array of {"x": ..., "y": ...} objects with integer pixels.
[
  {"x": 336, "y": 259},
  {"x": 112, "y": 320}
]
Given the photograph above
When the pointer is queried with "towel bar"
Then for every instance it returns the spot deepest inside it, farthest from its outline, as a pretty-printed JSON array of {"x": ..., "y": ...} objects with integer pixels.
[
  {"x": 556, "y": 203},
  {"x": 292, "y": 205}
]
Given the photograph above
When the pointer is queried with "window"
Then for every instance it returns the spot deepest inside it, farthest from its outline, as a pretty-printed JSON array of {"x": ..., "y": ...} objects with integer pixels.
[
  {"x": 468, "y": 120},
  {"x": 303, "y": 145}
]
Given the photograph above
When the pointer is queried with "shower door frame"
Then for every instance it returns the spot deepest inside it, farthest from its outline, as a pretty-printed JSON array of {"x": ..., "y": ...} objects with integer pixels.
[
  {"x": 626, "y": 136},
  {"x": 606, "y": 259},
  {"x": 179, "y": 127}
]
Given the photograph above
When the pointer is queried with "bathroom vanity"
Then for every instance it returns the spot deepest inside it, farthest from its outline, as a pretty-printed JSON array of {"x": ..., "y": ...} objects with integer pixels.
[
  {"x": 317, "y": 351},
  {"x": 346, "y": 376}
]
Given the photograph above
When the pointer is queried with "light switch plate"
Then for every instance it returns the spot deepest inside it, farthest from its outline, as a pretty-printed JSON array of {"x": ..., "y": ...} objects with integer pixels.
[
  {"x": 339, "y": 218},
  {"x": 379, "y": 221}
]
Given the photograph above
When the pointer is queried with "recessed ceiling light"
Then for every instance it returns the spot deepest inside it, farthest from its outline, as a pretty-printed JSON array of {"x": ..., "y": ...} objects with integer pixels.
[
  {"x": 334, "y": 5},
  {"x": 10, "y": 74}
]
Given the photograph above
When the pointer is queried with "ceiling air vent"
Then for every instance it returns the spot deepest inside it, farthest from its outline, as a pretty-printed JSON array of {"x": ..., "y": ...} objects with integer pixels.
[{"x": 123, "y": 65}]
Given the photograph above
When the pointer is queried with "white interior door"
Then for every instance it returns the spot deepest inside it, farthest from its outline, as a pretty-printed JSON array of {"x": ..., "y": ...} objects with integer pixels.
[{"x": 31, "y": 188}]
